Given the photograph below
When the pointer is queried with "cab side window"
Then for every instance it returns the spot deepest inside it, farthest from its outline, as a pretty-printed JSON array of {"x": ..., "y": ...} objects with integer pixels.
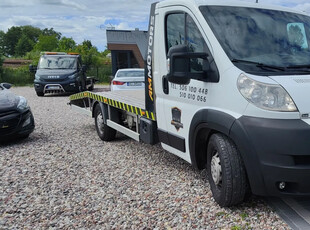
[
  {"x": 181, "y": 29},
  {"x": 175, "y": 30},
  {"x": 195, "y": 43},
  {"x": 194, "y": 39}
]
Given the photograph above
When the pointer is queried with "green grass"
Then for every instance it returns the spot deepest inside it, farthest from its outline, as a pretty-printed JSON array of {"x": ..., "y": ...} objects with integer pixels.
[{"x": 17, "y": 76}]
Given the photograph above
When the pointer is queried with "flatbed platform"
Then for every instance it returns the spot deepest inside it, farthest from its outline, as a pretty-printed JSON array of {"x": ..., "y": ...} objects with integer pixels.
[
  {"x": 129, "y": 100},
  {"x": 131, "y": 97}
]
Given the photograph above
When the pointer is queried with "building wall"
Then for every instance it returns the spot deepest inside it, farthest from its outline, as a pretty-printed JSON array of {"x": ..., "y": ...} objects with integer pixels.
[
  {"x": 119, "y": 51},
  {"x": 128, "y": 48}
]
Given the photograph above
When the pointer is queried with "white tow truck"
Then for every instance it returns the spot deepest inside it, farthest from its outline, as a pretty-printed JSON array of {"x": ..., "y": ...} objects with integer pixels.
[{"x": 227, "y": 88}]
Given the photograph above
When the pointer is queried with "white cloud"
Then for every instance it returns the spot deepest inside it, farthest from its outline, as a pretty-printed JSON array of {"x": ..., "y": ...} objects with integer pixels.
[
  {"x": 87, "y": 19},
  {"x": 66, "y": 3},
  {"x": 303, "y": 7}
]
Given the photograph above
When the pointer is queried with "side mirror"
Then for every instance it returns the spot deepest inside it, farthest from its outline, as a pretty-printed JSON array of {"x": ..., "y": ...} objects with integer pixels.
[
  {"x": 6, "y": 85},
  {"x": 32, "y": 68},
  {"x": 179, "y": 59}
]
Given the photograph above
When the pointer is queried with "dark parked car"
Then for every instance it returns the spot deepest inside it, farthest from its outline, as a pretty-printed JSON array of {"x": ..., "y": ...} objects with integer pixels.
[{"x": 16, "y": 119}]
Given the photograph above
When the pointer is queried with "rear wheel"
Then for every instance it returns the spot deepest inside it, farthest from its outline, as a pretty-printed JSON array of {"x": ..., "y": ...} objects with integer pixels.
[
  {"x": 105, "y": 132},
  {"x": 91, "y": 87},
  {"x": 226, "y": 172}
]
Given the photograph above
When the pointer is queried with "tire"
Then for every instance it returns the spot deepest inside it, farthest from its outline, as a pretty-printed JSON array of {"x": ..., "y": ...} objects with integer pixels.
[
  {"x": 105, "y": 132},
  {"x": 40, "y": 94},
  {"x": 226, "y": 171},
  {"x": 90, "y": 88}
]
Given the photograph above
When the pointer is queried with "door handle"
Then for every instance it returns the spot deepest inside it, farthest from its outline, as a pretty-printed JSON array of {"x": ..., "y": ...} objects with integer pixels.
[{"x": 165, "y": 84}]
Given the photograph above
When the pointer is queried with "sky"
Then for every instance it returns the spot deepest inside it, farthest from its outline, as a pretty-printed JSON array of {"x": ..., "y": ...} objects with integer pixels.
[{"x": 89, "y": 19}]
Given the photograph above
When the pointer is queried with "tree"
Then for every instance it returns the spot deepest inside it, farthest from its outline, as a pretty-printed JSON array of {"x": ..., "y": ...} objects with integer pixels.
[
  {"x": 11, "y": 39},
  {"x": 1, "y": 70},
  {"x": 51, "y": 32},
  {"x": 2, "y": 43},
  {"x": 87, "y": 44},
  {"x": 66, "y": 44},
  {"x": 90, "y": 54},
  {"x": 105, "y": 52},
  {"x": 23, "y": 46},
  {"x": 31, "y": 32},
  {"x": 47, "y": 43}
]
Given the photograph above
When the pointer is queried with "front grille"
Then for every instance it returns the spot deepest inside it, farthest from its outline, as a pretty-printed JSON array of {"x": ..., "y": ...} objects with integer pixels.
[
  {"x": 3, "y": 114},
  {"x": 53, "y": 80}
]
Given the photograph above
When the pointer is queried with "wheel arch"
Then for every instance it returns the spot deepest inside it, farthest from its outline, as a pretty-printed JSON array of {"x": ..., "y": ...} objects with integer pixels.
[
  {"x": 95, "y": 103},
  {"x": 103, "y": 107},
  {"x": 204, "y": 123}
]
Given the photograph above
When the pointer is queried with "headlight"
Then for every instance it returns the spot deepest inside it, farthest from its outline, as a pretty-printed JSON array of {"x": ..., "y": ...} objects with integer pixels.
[
  {"x": 22, "y": 104},
  {"x": 72, "y": 76},
  {"x": 265, "y": 96},
  {"x": 37, "y": 77}
]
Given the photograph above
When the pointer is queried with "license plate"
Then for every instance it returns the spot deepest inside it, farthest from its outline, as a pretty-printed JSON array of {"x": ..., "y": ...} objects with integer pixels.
[
  {"x": 134, "y": 83},
  {"x": 53, "y": 87}
]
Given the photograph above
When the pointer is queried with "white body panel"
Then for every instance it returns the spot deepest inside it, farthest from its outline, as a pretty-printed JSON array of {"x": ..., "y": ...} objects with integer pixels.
[{"x": 223, "y": 96}]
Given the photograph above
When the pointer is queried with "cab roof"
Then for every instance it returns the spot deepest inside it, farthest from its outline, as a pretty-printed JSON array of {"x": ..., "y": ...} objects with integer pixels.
[
  {"x": 233, "y": 3},
  {"x": 70, "y": 54}
]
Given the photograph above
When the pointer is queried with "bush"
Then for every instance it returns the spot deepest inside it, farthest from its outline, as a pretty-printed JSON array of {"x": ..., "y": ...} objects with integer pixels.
[
  {"x": 1, "y": 61},
  {"x": 17, "y": 76},
  {"x": 34, "y": 56}
]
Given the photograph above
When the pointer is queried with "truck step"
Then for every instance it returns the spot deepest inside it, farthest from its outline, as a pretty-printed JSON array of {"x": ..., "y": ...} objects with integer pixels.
[{"x": 123, "y": 130}]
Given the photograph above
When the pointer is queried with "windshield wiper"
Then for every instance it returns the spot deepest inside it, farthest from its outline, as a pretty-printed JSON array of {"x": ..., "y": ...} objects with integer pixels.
[
  {"x": 298, "y": 66},
  {"x": 260, "y": 65}
]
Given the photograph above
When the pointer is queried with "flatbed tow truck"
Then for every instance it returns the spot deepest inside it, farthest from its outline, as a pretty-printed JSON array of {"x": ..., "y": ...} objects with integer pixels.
[
  {"x": 60, "y": 72},
  {"x": 226, "y": 88}
]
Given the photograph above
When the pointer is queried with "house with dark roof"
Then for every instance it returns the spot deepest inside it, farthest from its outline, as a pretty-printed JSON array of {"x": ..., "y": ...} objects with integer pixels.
[{"x": 128, "y": 48}]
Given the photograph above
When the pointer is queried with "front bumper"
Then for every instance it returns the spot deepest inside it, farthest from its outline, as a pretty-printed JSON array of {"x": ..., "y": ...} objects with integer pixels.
[
  {"x": 70, "y": 85},
  {"x": 274, "y": 151},
  {"x": 14, "y": 124}
]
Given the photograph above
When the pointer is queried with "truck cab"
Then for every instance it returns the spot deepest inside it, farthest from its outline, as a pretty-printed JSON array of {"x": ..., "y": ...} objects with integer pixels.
[
  {"x": 237, "y": 80},
  {"x": 59, "y": 72}
]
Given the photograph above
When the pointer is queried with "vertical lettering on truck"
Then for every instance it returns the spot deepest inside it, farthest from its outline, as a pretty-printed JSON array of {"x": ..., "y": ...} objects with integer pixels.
[{"x": 149, "y": 89}]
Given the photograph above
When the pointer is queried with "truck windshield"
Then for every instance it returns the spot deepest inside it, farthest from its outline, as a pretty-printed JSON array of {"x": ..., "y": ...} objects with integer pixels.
[
  {"x": 262, "y": 41},
  {"x": 56, "y": 62}
]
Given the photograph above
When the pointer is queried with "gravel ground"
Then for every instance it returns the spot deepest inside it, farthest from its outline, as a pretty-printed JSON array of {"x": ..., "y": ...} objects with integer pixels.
[{"x": 64, "y": 176}]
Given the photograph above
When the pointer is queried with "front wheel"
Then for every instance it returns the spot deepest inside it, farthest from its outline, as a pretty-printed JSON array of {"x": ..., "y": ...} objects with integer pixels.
[
  {"x": 226, "y": 172},
  {"x": 40, "y": 94},
  {"x": 105, "y": 132}
]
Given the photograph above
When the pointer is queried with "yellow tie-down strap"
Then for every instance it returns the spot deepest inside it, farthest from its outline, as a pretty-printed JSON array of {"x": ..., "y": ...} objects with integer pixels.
[{"x": 114, "y": 103}]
